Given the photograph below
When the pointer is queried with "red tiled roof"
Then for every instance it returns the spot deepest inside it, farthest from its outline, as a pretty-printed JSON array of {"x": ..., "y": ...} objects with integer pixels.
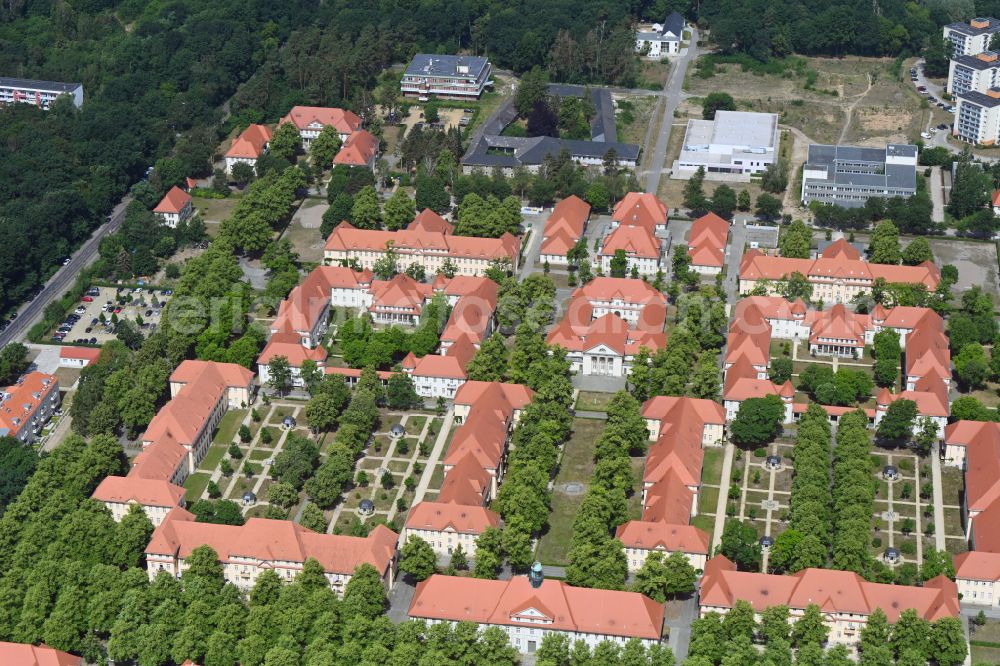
[
  {"x": 359, "y": 149},
  {"x": 251, "y": 142},
  {"x": 147, "y": 492},
  {"x": 640, "y": 209},
  {"x": 346, "y": 238},
  {"x": 978, "y": 565},
  {"x": 707, "y": 240},
  {"x": 287, "y": 343},
  {"x": 401, "y": 291},
  {"x": 174, "y": 201},
  {"x": 755, "y": 265},
  {"x": 636, "y": 241},
  {"x": 273, "y": 540},
  {"x": 840, "y": 324},
  {"x": 23, "y": 400},
  {"x": 345, "y": 122},
  {"x": 982, "y": 460},
  {"x": 88, "y": 354},
  {"x": 500, "y": 602},
  {"x": 428, "y": 220},
  {"x": 445, "y": 516},
  {"x": 835, "y": 592},
  {"x": 654, "y": 535},
  {"x": 515, "y": 395},
  {"x": 22, "y": 654},
  {"x": 629, "y": 290},
  {"x": 841, "y": 249},
  {"x": 565, "y": 225}
]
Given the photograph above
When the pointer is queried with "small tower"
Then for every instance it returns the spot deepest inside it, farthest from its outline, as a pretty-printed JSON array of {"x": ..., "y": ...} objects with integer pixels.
[{"x": 535, "y": 576}]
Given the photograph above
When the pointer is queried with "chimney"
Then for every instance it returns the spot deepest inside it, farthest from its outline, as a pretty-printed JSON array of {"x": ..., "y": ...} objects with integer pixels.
[{"x": 535, "y": 576}]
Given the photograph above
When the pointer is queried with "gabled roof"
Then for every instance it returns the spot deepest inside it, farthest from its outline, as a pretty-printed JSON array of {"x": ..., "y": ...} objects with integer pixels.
[
  {"x": 977, "y": 565},
  {"x": 251, "y": 142},
  {"x": 985, "y": 529},
  {"x": 22, "y": 654},
  {"x": 671, "y": 409},
  {"x": 629, "y": 290},
  {"x": 566, "y": 608},
  {"x": 835, "y": 592},
  {"x": 448, "y": 516},
  {"x": 516, "y": 396},
  {"x": 88, "y": 354},
  {"x": 23, "y": 400},
  {"x": 668, "y": 500},
  {"x": 841, "y": 249},
  {"x": 358, "y": 150},
  {"x": 640, "y": 209},
  {"x": 565, "y": 225},
  {"x": 659, "y": 535},
  {"x": 288, "y": 343},
  {"x": 428, "y": 220},
  {"x": 147, "y": 492},
  {"x": 401, "y": 291},
  {"x": 840, "y": 324},
  {"x": 634, "y": 240},
  {"x": 345, "y": 122},
  {"x": 982, "y": 460},
  {"x": 346, "y": 238},
  {"x": 173, "y": 202},
  {"x": 707, "y": 241}
]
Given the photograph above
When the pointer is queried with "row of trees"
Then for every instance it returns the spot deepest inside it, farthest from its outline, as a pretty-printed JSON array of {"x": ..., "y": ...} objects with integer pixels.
[
  {"x": 888, "y": 354},
  {"x": 843, "y": 388},
  {"x": 725, "y": 200},
  {"x": 853, "y": 495},
  {"x": 265, "y": 206}
]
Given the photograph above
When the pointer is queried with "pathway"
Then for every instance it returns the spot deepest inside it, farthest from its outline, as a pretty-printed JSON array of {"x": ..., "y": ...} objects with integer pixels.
[
  {"x": 425, "y": 478},
  {"x": 720, "y": 506},
  {"x": 939, "y": 524},
  {"x": 849, "y": 111},
  {"x": 771, "y": 505},
  {"x": 669, "y": 102}
]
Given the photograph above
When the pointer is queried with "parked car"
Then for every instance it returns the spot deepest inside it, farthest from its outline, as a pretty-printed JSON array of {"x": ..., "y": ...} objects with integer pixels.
[
  {"x": 118, "y": 310},
  {"x": 88, "y": 329},
  {"x": 942, "y": 126},
  {"x": 925, "y": 135},
  {"x": 87, "y": 299},
  {"x": 81, "y": 309},
  {"x": 149, "y": 313},
  {"x": 93, "y": 341}
]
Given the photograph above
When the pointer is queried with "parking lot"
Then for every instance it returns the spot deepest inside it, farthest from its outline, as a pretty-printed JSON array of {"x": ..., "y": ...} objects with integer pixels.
[{"x": 102, "y": 308}]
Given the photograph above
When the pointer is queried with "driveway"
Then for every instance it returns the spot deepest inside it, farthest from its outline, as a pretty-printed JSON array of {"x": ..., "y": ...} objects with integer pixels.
[
  {"x": 669, "y": 102},
  {"x": 734, "y": 255},
  {"x": 537, "y": 225}
]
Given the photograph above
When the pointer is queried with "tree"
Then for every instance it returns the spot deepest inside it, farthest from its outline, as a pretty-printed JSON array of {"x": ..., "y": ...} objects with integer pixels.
[
  {"x": 324, "y": 147},
  {"x": 242, "y": 173},
  {"x": 458, "y": 561},
  {"x": 780, "y": 370},
  {"x": 285, "y": 142},
  {"x": 531, "y": 90},
  {"x": 131, "y": 537},
  {"x": 795, "y": 286},
  {"x": 694, "y": 192},
  {"x": 768, "y": 207},
  {"x": 282, "y": 494},
  {"x": 279, "y": 374},
  {"x": 968, "y": 408},
  {"x": 775, "y": 178},
  {"x": 705, "y": 379},
  {"x": 887, "y": 355},
  {"x": 810, "y": 628},
  {"x": 758, "y": 421},
  {"x": 971, "y": 366},
  {"x": 321, "y": 412},
  {"x": 399, "y": 210},
  {"x": 795, "y": 240},
  {"x": 431, "y": 194},
  {"x": 897, "y": 424},
  {"x": 488, "y": 556},
  {"x": 917, "y": 252},
  {"x": 723, "y": 201},
  {"x": 313, "y": 518},
  {"x": 13, "y": 362},
  {"x": 716, "y": 101},
  {"x": 884, "y": 245},
  {"x": 418, "y": 559},
  {"x": 401, "y": 393},
  {"x": 619, "y": 264},
  {"x": 971, "y": 189},
  {"x": 660, "y": 578},
  {"x": 365, "y": 213},
  {"x": 364, "y": 594},
  {"x": 743, "y": 201},
  {"x": 490, "y": 362},
  {"x": 947, "y": 642},
  {"x": 739, "y": 544}
]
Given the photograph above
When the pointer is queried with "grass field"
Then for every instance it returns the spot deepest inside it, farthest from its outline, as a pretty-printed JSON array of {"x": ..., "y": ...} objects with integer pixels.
[
  {"x": 215, "y": 210},
  {"x": 577, "y": 466},
  {"x": 229, "y": 426},
  {"x": 195, "y": 485},
  {"x": 592, "y": 401}
]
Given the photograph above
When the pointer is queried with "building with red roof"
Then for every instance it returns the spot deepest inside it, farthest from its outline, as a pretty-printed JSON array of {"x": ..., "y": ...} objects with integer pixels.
[
  {"x": 528, "y": 608},
  {"x": 78, "y": 357},
  {"x": 310, "y": 121},
  {"x": 607, "y": 322},
  {"x": 441, "y": 375},
  {"x": 399, "y": 300},
  {"x": 640, "y": 209},
  {"x": 175, "y": 207},
  {"x": 563, "y": 230},
  {"x": 834, "y": 276},
  {"x": 22, "y": 654},
  {"x": 287, "y": 343},
  {"x": 282, "y": 546},
  {"x": 474, "y": 464},
  {"x": 845, "y": 599},
  {"x": 977, "y": 574},
  {"x": 359, "y": 150},
  {"x": 707, "y": 244},
  {"x": 429, "y": 249},
  {"x": 248, "y": 147},
  {"x": 642, "y": 249},
  {"x": 430, "y": 222},
  {"x": 839, "y": 332},
  {"x": 307, "y": 308},
  {"x": 177, "y": 438},
  {"x": 27, "y": 406}
]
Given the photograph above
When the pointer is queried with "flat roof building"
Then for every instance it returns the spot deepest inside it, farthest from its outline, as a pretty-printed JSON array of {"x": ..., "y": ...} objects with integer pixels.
[
  {"x": 978, "y": 72},
  {"x": 972, "y": 38},
  {"x": 850, "y": 175},
  {"x": 39, "y": 93},
  {"x": 977, "y": 117},
  {"x": 738, "y": 142},
  {"x": 446, "y": 76}
]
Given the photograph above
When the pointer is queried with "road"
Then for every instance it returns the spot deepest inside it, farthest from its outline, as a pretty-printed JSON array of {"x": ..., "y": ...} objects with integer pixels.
[
  {"x": 31, "y": 312},
  {"x": 734, "y": 255},
  {"x": 669, "y": 101}
]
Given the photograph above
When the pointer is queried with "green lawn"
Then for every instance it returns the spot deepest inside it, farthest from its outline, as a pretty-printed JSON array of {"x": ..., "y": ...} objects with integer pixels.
[
  {"x": 711, "y": 471},
  {"x": 214, "y": 456},
  {"x": 708, "y": 499},
  {"x": 229, "y": 426},
  {"x": 195, "y": 485},
  {"x": 576, "y": 466},
  {"x": 415, "y": 424},
  {"x": 592, "y": 401},
  {"x": 703, "y": 522},
  {"x": 260, "y": 454}
]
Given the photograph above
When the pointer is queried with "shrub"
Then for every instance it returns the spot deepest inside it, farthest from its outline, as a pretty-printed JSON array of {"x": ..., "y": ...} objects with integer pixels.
[
  {"x": 908, "y": 548},
  {"x": 760, "y": 452},
  {"x": 877, "y": 542}
]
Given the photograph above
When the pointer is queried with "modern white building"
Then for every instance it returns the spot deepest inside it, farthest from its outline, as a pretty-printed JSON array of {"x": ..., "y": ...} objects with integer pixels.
[
  {"x": 39, "y": 93},
  {"x": 736, "y": 142},
  {"x": 972, "y": 38},
  {"x": 978, "y": 72},
  {"x": 977, "y": 118},
  {"x": 661, "y": 39},
  {"x": 446, "y": 76},
  {"x": 850, "y": 175}
]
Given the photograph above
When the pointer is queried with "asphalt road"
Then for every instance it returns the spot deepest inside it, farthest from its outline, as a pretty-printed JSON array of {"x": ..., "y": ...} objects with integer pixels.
[
  {"x": 31, "y": 312},
  {"x": 669, "y": 101}
]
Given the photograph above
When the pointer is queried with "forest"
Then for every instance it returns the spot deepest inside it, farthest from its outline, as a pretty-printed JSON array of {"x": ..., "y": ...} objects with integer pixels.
[{"x": 170, "y": 77}]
